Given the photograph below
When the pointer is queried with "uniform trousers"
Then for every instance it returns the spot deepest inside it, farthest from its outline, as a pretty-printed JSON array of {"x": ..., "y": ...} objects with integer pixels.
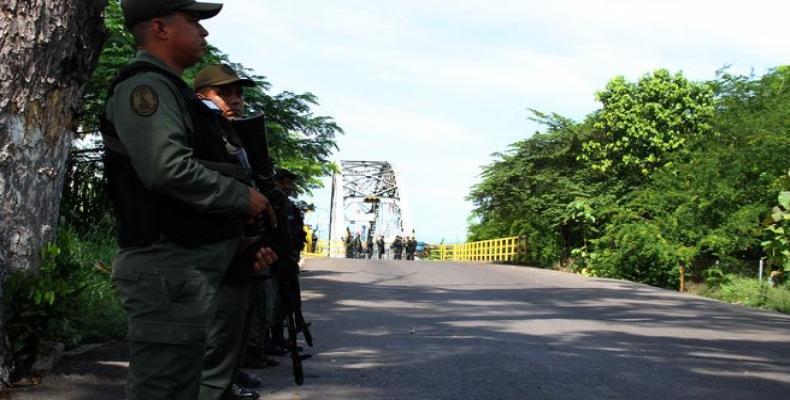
[{"x": 170, "y": 294}]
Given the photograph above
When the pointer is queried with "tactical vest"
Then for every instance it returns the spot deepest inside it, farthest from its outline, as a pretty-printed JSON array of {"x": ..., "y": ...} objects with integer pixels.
[{"x": 145, "y": 216}]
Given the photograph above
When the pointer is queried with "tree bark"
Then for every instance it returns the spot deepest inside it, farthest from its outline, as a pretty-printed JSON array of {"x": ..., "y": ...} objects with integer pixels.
[{"x": 48, "y": 49}]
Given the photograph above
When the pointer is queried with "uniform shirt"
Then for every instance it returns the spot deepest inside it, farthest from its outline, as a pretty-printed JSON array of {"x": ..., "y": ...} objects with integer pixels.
[{"x": 156, "y": 140}]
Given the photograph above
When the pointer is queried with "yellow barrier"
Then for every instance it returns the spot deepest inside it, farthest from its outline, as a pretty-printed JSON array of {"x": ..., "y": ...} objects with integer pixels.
[
  {"x": 324, "y": 248},
  {"x": 505, "y": 249}
]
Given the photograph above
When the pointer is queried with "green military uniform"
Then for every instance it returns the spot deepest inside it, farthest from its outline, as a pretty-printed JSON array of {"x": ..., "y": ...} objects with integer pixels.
[
  {"x": 169, "y": 290},
  {"x": 229, "y": 331},
  {"x": 227, "y": 338}
]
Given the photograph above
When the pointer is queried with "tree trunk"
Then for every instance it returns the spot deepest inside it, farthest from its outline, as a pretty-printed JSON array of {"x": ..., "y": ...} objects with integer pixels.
[{"x": 48, "y": 49}]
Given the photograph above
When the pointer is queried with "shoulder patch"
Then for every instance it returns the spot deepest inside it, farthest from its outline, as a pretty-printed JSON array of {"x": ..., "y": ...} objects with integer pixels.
[{"x": 144, "y": 101}]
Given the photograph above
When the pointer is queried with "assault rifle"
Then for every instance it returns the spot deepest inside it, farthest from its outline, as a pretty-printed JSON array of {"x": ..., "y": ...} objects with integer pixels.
[{"x": 252, "y": 133}]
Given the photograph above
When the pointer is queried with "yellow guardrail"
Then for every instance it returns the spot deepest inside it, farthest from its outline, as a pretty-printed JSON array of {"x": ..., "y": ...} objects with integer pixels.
[
  {"x": 504, "y": 249},
  {"x": 324, "y": 248}
]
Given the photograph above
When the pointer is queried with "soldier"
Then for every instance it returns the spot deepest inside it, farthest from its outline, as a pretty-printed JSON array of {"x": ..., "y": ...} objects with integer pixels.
[
  {"x": 357, "y": 246},
  {"x": 397, "y": 247},
  {"x": 411, "y": 246},
  {"x": 380, "y": 244},
  {"x": 349, "y": 240},
  {"x": 288, "y": 286},
  {"x": 221, "y": 89},
  {"x": 179, "y": 222},
  {"x": 286, "y": 181},
  {"x": 369, "y": 246}
]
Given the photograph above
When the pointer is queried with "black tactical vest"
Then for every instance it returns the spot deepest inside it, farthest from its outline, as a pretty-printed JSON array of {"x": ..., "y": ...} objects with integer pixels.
[{"x": 145, "y": 216}]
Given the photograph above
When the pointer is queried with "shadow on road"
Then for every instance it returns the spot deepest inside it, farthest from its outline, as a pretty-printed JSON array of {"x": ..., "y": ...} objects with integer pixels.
[
  {"x": 619, "y": 340},
  {"x": 383, "y": 333}
]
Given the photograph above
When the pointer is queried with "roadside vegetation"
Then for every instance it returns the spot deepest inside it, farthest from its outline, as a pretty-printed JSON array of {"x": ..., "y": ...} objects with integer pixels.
[
  {"x": 71, "y": 299},
  {"x": 666, "y": 173}
]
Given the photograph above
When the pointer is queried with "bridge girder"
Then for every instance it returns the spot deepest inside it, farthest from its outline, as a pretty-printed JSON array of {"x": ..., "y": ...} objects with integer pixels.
[{"x": 368, "y": 198}]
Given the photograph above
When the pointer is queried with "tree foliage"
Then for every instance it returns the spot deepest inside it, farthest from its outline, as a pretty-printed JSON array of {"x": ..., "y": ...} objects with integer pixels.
[
  {"x": 667, "y": 172},
  {"x": 300, "y": 140},
  {"x": 641, "y": 124}
]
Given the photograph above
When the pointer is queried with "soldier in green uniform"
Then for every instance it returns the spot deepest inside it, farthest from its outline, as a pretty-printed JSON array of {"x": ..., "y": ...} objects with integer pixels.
[
  {"x": 179, "y": 222},
  {"x": 380, "y": 245},
  {"x": 221, "y": 89},
  {"x": 397, "y": 247}
]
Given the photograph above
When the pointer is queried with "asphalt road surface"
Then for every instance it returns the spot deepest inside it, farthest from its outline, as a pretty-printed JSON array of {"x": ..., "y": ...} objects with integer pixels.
[{"x": 422, "y": 330}]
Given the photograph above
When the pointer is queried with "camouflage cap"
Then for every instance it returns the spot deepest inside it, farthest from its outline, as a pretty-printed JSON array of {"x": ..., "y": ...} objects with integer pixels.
[
  {"x": 219, "y": 75},
  {"x": 136, "y": 11}
]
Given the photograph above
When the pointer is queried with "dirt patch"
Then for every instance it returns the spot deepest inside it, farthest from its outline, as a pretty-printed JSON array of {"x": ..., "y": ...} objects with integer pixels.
[{"x": 96, "y": 374}]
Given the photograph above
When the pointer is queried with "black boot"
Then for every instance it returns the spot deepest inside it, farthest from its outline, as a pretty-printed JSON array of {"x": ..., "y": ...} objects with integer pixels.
[
  {"x": 239, "y": 393},
  {"x": 248, "y": 381}
]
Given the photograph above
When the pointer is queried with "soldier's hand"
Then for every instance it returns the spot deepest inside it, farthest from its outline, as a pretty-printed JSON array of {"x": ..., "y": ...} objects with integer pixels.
[
  {"x": 264, "y": 258},
  {"x": 259, "y": 205}
]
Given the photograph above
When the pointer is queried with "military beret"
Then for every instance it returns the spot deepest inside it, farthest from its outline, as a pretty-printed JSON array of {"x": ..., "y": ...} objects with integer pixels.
[
  {"x": 219, "y": 75},
  {"x": 136, "y": 11}
]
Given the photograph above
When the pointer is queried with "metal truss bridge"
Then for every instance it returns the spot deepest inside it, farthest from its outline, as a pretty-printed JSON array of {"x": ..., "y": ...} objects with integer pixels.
[{"x": 368, "y": 199}]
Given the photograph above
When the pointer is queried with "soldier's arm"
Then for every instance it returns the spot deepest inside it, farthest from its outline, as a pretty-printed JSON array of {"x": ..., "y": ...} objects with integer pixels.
[{"x": 155, "y": 136}]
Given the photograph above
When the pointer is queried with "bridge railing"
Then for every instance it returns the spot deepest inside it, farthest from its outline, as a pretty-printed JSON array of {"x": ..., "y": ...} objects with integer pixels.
[
  {"x": 324, "y": 248},
  {"x": 504, "y": 249}
]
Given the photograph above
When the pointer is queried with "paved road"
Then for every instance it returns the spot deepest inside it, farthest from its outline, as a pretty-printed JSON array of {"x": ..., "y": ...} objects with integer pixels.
[
  {"x": 414, "y": 330},
  {"x": 398, "y": 330}
]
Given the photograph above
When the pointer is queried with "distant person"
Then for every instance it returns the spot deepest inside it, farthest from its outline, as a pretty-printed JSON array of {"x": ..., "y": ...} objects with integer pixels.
[
  {"x": 358, "y": 246},
  {"x": 349, "y": 241},
  {"x": 369, "y": 247},
  {"x": 411, "y": 248},
  {"x": 380, "y": 244},
  {"x": 397, "y": 248}
]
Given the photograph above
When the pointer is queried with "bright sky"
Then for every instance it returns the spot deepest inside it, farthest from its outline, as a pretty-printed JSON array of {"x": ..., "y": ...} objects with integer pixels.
[{"x": 436, "y": 86}]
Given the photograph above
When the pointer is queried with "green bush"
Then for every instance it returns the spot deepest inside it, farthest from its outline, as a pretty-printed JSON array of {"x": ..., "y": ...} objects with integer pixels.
[
  {"x": 70, "y": 298},
  {"x": 749, "y": 292},
  {"x": 637, "y": 252}
]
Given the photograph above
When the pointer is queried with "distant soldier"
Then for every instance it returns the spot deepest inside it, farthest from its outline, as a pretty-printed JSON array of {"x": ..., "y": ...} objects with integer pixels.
[
  {"x": 380, "y": 244},
  {"x": 411, "y": 248},
  {"x": 286, "y": 181},
  {"x": 349, "y": 240},
  {"x": 358, "y": 246},
  {"x": 397, "y": 247},
  {"x": 369, "y": 247}
]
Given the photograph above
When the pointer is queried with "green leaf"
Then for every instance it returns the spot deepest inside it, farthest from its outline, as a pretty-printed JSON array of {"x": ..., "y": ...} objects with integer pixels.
[
  {"x": 777, "y": 214},
  {"x": 784, "y": 200},
  {"x": 50, "y": 297}
]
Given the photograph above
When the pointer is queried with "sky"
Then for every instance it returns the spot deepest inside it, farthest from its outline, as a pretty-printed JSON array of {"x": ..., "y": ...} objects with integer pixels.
[{"x": 437, "y": 86}]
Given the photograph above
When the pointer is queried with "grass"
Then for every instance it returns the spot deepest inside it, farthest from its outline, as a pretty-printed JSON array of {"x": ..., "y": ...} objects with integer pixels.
[
  {"x": 748, "y": 292},
  {"x": 98, "y": 315}
]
